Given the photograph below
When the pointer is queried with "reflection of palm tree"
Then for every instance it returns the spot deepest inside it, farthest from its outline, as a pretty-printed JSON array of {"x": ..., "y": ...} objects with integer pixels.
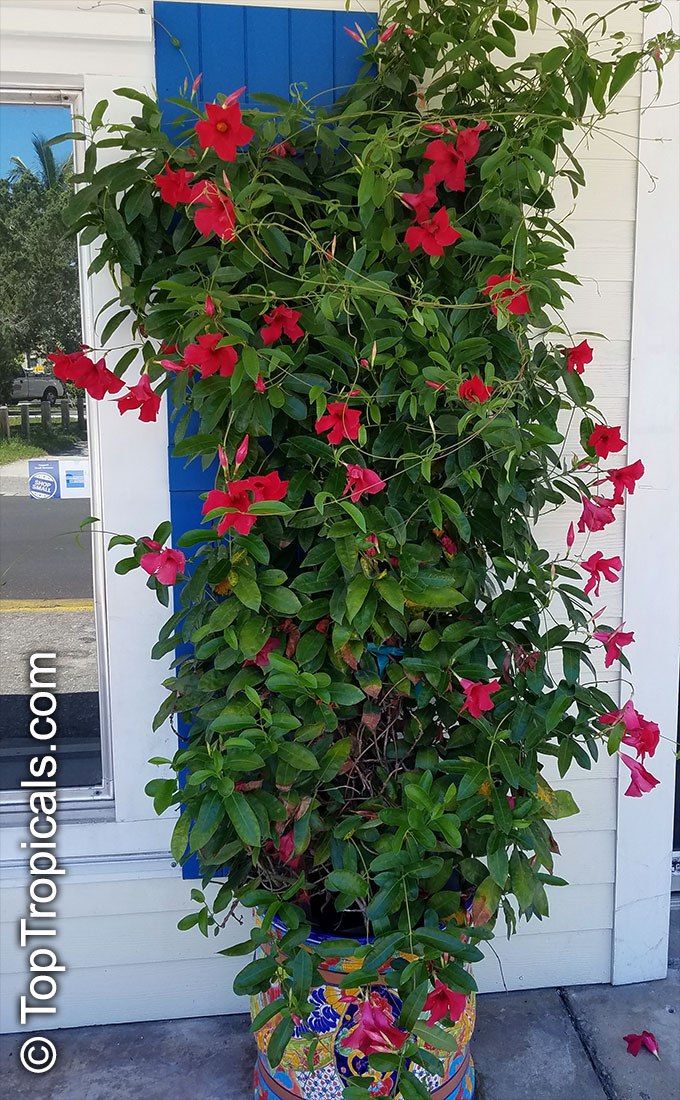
[{"x": 52, "y": 174}]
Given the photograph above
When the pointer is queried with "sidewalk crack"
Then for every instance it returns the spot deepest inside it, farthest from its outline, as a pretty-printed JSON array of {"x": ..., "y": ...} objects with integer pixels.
[{"x": 601, "y": 1072}]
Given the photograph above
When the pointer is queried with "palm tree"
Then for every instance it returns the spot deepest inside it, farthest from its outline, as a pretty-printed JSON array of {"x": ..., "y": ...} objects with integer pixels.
[{"x": 51, "y": 174}]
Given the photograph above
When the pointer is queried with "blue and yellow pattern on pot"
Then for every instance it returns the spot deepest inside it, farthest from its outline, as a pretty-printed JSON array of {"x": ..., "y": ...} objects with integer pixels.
[{"x": 320, "y": 1061}]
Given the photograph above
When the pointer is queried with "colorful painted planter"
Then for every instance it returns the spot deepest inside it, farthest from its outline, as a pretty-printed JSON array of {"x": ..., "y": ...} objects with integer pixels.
[{"x": 333, "y": 1061}]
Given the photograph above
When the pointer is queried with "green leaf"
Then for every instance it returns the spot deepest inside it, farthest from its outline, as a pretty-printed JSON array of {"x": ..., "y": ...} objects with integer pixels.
[
  {"x": 356, "y": 594},
  {"x": 282, "y": 1035},
  {"x": 180, "y": 835},
  {"x": 256, "y": 976},
  {"x": 243, "y": 819},
  {"x": 347, "y": 882},
  {"x": 297, "y": 756},
  {"x": 624, "y": 71},
  {"x": 210, "y": 814},
  {"x": 389, "y": 589}
]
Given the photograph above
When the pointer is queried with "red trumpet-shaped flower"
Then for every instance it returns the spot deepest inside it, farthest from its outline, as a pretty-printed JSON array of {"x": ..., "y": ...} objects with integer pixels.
[
  {"x": 361, "y": 480},
  {"x": 141, "y": 397},
  {"x": 261, "y": 659},
  {"x": 340, "y": 422},
  {"x": 209, "y": 358},
  {"x": 444, "y": 1003},
  {"x": 282, "y": 320},
  {"x": 422, "y": 201},
  {"x": 600, "y": 568},
  {"x": 163, "y": 563},
  {"x": 467, "y": 141},
  {"x": 624, "y": 480},
  {"x": 578, "y": 357},
  {"x": 448, "y": 164},
  {"x": 597, "y": 514},
  {"x": 214, "y": 213},
  {"x": 514, "y": 297},
  {"x": 239, "y": 496},
  {"x": 95, "y": 378},
  {"x": 473, "y": 389},
  {"x": 641, "y": 781},
  {"x": 224, "y": 130},
  {"x": 635, "y": 1043},
  {"x": 605, "y": 440},
  {"x": 641, "y": 734},
  {"x": 613, "y": 642},
  {"x": 478, "y": 697},
  {"x": 174, "y": 186},
  {"x": 432, "y": 234},
  {"x": 374, "y": 1032}
]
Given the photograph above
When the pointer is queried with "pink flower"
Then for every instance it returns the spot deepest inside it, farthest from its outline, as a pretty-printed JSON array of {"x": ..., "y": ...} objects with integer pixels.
[
  {"x": 162, "y": 563},
  {"x": 242, "y": 451},
  {"x": 209, "y": 307},
  {"x": 606, "y": 441},
  {"x": 282, "y": 320},
  {"x": 597, "y": 513},
  {"x": 433, "y": 234},
  {"x": 448, "y": 545},
  {"x": 625, "y": 478},
  {"x": 356, "y": 35},
  {"x": 600, "y": 567},
  {"x": 478, "y": 697},
  {"x": 141, "y": 397},
  {"x": 196, "y": 84},
  {"x": 578, "y": 357},
  {"x": 635, "y": 1043},
  {"x": 340, "y": 422},
  {"x": 448, "y": 164},
  {"x": 473, "y": 389},
  {"x": 515, "y": 301},
  {"x": 211, "y": 359},
  {"x": 385, "y": 35},
  {"x": 259, "y": 384},
  {"x": 261, "y": 659},
  {"x": 443, "y": 1003},
  {"x": 223, "y": 129},
  {"x": 613, "y": 642},
  {"x": 641, "y": 781},
  {"x": 174, "y": 186},
  {"x": 361, "y": 480},
  {"x": 641, "y": 735},
  {"x": 435, "y": 385},
  {"x": 571, "y": 536},
  {"x": 374, "y": 1032}
]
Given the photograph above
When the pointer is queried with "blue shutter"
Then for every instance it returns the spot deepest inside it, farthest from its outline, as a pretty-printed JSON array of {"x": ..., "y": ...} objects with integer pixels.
[{"x": 267, "y": 50}]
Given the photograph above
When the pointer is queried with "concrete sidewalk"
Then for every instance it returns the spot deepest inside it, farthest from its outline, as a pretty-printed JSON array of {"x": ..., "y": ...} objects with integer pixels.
[{"x": 545, "y": 1044}]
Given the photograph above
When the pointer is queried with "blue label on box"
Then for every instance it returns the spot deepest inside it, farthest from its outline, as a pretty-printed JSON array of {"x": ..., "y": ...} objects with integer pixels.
[{"x": 75, "y": 479}]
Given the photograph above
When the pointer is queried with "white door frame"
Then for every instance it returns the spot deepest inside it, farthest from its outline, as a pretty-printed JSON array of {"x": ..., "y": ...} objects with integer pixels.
[{"x": 652, "y": 554}]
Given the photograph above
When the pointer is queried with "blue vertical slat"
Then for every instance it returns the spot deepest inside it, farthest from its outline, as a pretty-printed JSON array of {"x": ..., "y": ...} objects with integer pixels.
[
  {"x": 177, "y": 30},
  {"x": 267, "y": 51},
  {"x": 311, "y": 54},
  {"x": 347, "y": 51},
  {"x": 222, "y": 39}
]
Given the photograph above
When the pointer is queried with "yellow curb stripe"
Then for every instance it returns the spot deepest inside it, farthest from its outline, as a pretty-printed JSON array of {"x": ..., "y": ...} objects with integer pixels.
[{"x": 15, "y": 607}]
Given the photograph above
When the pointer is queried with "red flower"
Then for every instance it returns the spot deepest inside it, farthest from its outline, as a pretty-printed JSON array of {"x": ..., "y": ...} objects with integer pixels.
[
  {"x": 448, "y": 545},
  {"x": 641, "y": 781},
  {"x": 259, "y": 384},
  {"x": 361, "y": 480},
  {"x": 478, "y": 697},
  {"x": 95, "y": 378},
  {"x": 374, "y": 1032},
  {"x": 624, "y": 479},
  {"x": 515, "y": 301},
  {"x": 238, "y": 497},
  {"x": 141, "y": 397},
  {"x": 597, "y": 513},
  {"x": 285, "y": 850},
  {"x": 261, "y": 659},
  {"x": 374, "y": 546},
  {"x": 473, "y": 389},
  {"x": 641, "y": 735},
  {"x": 448, "y": 164},
  {"x": 443, "y": 1003},
  {"x": 385, "y": 35},
  {"x": 432, "y": 234},
  {"x": 578, "y": 357},
  {"x": 162, "y": 563},
  {"x": 340, "y": 422},
  {"x": 606, "y": 441},
  {"x": 209, "y": 307},
  {"x": 174, "y": 186},
  {"x": 635, "y": 1043},
  {"x": 214, "y": 212},
  {"x": 242, "y": 451},
  {"x": 571, "y": 535},
  {"x": 467, "y": 142},
  {"x": 283, "y": 149},
  {"x": 613, "y": 642},
  {"x": 281, "y": 321},
  {"x": 209, "y": 358},
  {"x": 600, "y": 567},
  {"x": 223, "y": 129},
  {"x": 422, "y": 201}
]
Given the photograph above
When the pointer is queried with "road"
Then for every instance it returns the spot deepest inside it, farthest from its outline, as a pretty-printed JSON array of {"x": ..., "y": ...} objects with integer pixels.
[{"x": 39, "y": 555}]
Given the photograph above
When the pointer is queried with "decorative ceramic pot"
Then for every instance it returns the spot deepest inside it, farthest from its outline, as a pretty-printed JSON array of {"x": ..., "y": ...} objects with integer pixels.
[{"x": 334, "y": 1063}]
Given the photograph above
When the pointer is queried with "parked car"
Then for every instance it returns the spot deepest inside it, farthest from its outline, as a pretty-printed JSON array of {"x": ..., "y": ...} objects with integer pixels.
[{"x": 36, "y": 386}]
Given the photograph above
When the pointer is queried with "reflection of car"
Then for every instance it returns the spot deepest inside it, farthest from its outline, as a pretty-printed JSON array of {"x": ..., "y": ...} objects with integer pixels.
[{"x": 37, "y": 386}]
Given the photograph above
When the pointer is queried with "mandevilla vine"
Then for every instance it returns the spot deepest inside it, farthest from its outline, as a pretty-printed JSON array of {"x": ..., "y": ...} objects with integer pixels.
[{"x": 357, "y": 309}]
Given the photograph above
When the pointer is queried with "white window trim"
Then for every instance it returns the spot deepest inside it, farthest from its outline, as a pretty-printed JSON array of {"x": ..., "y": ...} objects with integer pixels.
[
  {"x": 652, "y": 577},
  {"x": 88, "y": 52}
]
